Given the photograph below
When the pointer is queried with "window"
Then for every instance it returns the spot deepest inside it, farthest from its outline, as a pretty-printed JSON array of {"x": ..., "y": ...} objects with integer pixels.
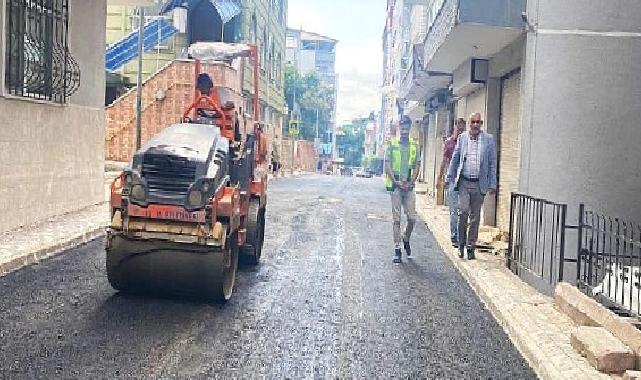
[
  {"x": 253, "y": 32},
  {"x": 291, "y": 42},
  {"x": 279, "y": 68},
  {"x": 38, "y": 62},
  {"x": 272, "y": 65}
]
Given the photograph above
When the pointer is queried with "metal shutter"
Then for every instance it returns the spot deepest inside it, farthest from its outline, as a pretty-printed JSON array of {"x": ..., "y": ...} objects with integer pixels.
[{"x": 509, "y": 145}]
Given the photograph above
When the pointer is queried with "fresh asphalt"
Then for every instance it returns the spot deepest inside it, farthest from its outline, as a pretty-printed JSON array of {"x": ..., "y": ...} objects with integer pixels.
[{"x": 326, "y": 302}]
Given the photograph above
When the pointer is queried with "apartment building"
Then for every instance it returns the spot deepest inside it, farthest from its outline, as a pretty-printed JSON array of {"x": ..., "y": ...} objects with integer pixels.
[
  {"x": 260, "y": 22},
  {"x": 52, "y": 121},
  {"x": 311, "y": 52},
  {"x": 556, "y": 85}
]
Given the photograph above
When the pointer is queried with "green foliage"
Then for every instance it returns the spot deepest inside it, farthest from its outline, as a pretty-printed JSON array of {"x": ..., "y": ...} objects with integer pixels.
[
  {"x": 350, "y": 143},
  {"x": 369, "y": 162},
  {"x": 311, "y": 95}
]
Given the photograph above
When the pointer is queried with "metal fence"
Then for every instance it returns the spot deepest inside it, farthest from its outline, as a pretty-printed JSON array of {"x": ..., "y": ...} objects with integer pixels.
[
  {"x": 39, "y": 64},
  {"x": 610, "y": 260},
  {"x": 536, "y": 250}
]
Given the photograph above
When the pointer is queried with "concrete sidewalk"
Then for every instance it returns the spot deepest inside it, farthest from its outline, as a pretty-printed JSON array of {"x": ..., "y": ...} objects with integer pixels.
[
  {"x": 28, "y": 245},
  {"x": 540, "y": 332}
]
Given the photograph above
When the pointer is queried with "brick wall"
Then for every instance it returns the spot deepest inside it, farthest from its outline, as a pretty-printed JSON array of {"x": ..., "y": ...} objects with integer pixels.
[
  {"x": 306, "y": 156},
  {"x": 176, "y": 81}
]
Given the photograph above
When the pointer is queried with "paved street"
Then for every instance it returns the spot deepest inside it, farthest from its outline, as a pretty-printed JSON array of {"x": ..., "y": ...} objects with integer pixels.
[{"x": 326, "y": 302}]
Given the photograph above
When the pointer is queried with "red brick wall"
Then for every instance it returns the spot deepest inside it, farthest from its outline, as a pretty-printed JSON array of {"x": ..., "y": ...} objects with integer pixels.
[
  {"x": 177, "y": 82},
  {"x": 306, "y": 156}
]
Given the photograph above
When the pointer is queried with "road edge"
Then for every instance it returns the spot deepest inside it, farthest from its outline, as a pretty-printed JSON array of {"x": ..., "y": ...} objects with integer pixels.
[
  {"x": 502, "y": 319},
  {"x": 32, "y": 258}
]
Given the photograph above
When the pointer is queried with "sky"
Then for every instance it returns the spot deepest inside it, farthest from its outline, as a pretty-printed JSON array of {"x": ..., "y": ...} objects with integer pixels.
[{"x": 358, "y": 25}]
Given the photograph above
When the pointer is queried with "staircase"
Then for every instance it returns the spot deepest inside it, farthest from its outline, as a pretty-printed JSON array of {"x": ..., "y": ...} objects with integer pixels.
[
  {"x": 126, "y": 49},
  {"x": 165, "y": 95}
]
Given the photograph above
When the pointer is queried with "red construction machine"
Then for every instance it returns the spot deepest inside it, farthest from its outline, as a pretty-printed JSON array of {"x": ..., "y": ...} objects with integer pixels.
[{"x": 194, "y": 199}]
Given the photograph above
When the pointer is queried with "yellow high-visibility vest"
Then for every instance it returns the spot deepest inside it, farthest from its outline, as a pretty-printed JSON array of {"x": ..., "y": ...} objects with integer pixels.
[{"x": 395, "y": 158}]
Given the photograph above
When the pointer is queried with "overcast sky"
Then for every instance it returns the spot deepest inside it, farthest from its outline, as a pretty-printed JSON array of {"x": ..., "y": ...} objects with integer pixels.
[{"x": 358, "y": 25}]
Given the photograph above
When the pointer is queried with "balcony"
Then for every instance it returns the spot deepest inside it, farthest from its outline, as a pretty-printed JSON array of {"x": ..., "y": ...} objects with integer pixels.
[
  {"x": 471, "y": 28},
  {"x": 418, "y": 84}
]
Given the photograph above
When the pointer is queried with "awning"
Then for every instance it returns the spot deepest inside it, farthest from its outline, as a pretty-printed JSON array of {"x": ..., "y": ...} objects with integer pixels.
[{"x": 227, "y": 9}]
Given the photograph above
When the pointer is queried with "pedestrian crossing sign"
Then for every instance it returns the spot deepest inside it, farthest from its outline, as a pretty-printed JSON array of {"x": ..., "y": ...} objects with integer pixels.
[{"x": 294, "y": 127}]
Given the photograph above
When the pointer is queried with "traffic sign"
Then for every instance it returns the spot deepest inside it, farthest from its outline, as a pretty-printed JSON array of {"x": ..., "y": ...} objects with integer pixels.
[{"x": 294, "y": 127}]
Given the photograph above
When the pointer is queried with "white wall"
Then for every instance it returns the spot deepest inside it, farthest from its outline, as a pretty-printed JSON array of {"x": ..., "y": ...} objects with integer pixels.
[
  {"x": 582, "y": 96},
  {"x": 52, "y": 156}
]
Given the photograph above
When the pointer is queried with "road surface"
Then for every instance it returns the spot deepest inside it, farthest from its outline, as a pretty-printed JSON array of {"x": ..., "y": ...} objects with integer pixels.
[{"x": 326, "y": 302}]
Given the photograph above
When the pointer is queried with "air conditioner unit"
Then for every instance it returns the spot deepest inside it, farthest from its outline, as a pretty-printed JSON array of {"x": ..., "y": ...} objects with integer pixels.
[
  {"x": 470, "y": 76},
  {"x": 435, "y": 101}
]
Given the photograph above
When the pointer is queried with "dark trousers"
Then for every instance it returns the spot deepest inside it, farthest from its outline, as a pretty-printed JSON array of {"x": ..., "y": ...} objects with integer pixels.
[{"x": 470, "y": 202}]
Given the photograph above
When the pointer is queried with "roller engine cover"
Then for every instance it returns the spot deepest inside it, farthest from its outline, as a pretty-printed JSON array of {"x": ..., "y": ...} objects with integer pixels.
[{"x": 179, "y": 159}]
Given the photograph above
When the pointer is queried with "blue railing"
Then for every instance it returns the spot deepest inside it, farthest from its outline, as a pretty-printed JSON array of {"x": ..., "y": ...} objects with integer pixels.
[{"x": 126, "y": 49}]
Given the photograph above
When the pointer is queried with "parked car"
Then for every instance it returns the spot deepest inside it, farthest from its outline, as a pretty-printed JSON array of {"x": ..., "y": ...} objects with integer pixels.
[{"x": 362, "y": 172}]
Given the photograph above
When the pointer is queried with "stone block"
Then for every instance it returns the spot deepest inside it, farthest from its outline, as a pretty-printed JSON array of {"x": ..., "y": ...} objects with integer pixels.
[
  {"x": 603, "y": 350},
  {"x": 632, "y": 375},
  {"x": 583, "y": 310},
  {"x": 627, "y": 333}
]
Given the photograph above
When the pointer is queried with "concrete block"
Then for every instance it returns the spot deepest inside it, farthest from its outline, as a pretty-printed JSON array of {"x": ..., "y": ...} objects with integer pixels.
[
  {"x": 603, "y": 351},
  {"x": 583, "y": 310},
  {"x": 627, "y": 333},
  {"x": 632, "y": 375},
  {"x": 490, "y": 229}
]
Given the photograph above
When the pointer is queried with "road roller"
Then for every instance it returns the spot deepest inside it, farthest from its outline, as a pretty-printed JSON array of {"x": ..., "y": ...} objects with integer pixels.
[{"x": 192, "y": 202}]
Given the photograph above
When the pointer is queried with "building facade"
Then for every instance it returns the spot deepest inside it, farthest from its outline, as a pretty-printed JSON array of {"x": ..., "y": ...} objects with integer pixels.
[
  {"x": 52, "y": 121},
  {"x": 555, "y": 85},
  {"x": 311, "y": 52},
  {"x": 398, "y": 46},
  {"x": 261, "y": 22}
]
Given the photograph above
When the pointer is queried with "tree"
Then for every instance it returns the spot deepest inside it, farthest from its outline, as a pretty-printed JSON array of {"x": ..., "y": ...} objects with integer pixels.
[
  {"x": 350, "y": 143},
  {"x": 311, "y": 94}
]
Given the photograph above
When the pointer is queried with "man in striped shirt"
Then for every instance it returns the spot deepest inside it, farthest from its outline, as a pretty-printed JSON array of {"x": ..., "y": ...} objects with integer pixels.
[{"x": 473, "y": 173}]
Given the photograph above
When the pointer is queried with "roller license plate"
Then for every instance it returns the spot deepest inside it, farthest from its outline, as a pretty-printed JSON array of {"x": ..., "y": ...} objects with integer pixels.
[{"x": 167, "y": 213}]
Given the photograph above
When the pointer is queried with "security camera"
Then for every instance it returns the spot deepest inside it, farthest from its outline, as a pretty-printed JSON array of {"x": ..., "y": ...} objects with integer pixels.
[{"x": 524, "y": 17}]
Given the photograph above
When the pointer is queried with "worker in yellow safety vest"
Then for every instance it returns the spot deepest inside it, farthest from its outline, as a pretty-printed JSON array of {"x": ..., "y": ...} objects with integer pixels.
[{"x": 402, "y": 168}]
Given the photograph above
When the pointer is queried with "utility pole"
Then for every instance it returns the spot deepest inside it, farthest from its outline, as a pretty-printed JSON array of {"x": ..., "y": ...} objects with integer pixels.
[
  {"x": 292, "y": 136},
  {"x": 317, "y": 143},
  {"x": 317, "y": 136},
  {"x": 141, "y": 40}
]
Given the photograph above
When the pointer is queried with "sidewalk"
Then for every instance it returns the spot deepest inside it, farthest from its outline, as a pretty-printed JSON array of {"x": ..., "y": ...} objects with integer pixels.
[
  {"x": 539, "y": 331},
  {"x": 28, "y": 245}
]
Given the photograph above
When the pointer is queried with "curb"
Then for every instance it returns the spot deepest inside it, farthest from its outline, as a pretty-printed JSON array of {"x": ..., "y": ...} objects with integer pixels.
[
  {"x": 501, "y": 318},
  {"x": 51, "y": 251}
]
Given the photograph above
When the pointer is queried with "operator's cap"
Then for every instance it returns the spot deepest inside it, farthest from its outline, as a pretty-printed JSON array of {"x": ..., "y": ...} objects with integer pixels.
[{"x": 405, "y": 121}]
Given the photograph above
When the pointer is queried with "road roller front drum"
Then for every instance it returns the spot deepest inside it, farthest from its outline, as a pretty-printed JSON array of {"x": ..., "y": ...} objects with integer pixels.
[{"x": 175, "y": 269}]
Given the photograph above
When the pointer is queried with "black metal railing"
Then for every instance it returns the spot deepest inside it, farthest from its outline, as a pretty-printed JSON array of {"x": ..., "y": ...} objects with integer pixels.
[
  {"x": 609, "y": 266},
  {"x": 536, "y": 248},
  {"x": 38, "y": 62}
]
